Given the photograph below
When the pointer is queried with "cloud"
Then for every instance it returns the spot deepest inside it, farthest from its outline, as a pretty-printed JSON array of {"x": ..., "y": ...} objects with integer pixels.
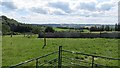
[
  {"x": 90, "y": 6},
  {"x": 39, "y": 10},
  {"x": 57, "y": 12},
  {"x": 105, "y": 6},
  {"x": 103, "y": 0},
  {"x": 61, "y": 11},
  {"x": 8, "y": 5},
  {"x": 47, "y": 11},
  {"x": 60, "y": 5}
]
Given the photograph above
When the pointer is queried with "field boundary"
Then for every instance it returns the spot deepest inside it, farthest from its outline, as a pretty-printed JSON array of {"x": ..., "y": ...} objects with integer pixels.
[
  {"x": 59, "y": 59},
  {"x": 79, "y": 35}
]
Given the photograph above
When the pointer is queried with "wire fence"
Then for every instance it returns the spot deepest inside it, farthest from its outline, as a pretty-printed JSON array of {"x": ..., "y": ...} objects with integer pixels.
[
  {"x": 61, "y": 61},
  {"x": 36, "y": 60},
  {"x": 91, "y": 61}
]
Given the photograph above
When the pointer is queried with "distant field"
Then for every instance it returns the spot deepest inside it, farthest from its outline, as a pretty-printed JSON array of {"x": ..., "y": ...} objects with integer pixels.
[
  {"x": 84, "y": 30},
  {"x": 19, "y": 48},
  {"x": 59, "y": 29}
]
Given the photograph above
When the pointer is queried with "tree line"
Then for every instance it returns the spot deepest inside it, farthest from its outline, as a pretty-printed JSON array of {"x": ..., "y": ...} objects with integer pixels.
[
  {"x": 12, "y": 26},
  {"x": 106, "y": 28},
  {"x": 117, "y": 27}
]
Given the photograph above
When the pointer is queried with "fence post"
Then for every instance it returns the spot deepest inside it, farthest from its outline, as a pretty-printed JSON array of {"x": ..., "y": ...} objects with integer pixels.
[
  {"x": 92, "y": 61},
  {"x": 60, "y": 57},
  {"x": 36, "y": 63},
  {"x": 44, "y": 40}
]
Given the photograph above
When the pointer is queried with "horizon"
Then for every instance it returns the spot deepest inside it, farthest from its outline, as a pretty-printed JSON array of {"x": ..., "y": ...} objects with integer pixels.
[
  {"x": 61, "y": 12},
  {"x": 65, "y": 23},
  {"x": 73, "y": 24}
]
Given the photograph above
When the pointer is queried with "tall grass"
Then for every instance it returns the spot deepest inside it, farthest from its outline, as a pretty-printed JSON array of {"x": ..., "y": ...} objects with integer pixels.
[{"x": 20, "y": 48}]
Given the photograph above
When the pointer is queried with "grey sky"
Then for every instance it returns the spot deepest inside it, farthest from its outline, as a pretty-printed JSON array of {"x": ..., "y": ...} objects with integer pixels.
[{"x": 61, "y": 11}]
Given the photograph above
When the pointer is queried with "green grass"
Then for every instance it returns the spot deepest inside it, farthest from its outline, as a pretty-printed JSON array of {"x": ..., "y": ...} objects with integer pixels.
[
  {"x": 19, "y": 48},
  {"x": 86, "y": 30},
  {"x": 60, "y": 29},
  {"x": 0, "y": 50}
]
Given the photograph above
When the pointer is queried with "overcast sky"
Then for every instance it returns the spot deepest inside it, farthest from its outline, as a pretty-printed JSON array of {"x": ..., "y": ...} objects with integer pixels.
[{"x": 61, "y": 11}]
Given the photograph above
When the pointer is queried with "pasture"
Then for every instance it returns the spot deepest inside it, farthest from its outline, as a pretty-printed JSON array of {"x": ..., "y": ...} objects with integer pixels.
[{"x": 19, "y": 48}]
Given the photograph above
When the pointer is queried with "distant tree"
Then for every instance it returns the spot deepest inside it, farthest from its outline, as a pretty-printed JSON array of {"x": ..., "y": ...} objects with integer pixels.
[
  {"x": 102, "y": 28},
  {"x": 49, "y": 29},
  {"x": 107, "y": 28},
  {"x": 116, "y": 27},
  {"x": 93, "y": 28},
  {"x": 36, "y": 30},
  {"x": 11, "y": 25},
  {"x": 5, "y": 29}
]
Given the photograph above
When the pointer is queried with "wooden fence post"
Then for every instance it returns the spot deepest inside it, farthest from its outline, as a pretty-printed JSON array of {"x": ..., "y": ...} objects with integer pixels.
[
  {"x": 92, "y": 61},
  {"x": 44, "y": 40},
  {"x": 60, "y": 57},
  {"x": 11, "y": 34},
  {"x": 36, "y": 63}
]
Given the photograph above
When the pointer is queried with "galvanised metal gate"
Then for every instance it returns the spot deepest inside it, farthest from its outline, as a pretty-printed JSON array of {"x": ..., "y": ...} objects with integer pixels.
[{"x": 59, "y": 60}]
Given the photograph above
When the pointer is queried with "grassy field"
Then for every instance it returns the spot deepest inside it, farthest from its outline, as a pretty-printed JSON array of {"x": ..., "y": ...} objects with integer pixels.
[
  {"x": 59, "y": 29},
  {"x": 19, "y": 48}
]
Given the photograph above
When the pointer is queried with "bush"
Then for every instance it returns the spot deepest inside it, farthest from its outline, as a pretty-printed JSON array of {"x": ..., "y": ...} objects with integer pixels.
[{"x": 49, "y": 29}]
